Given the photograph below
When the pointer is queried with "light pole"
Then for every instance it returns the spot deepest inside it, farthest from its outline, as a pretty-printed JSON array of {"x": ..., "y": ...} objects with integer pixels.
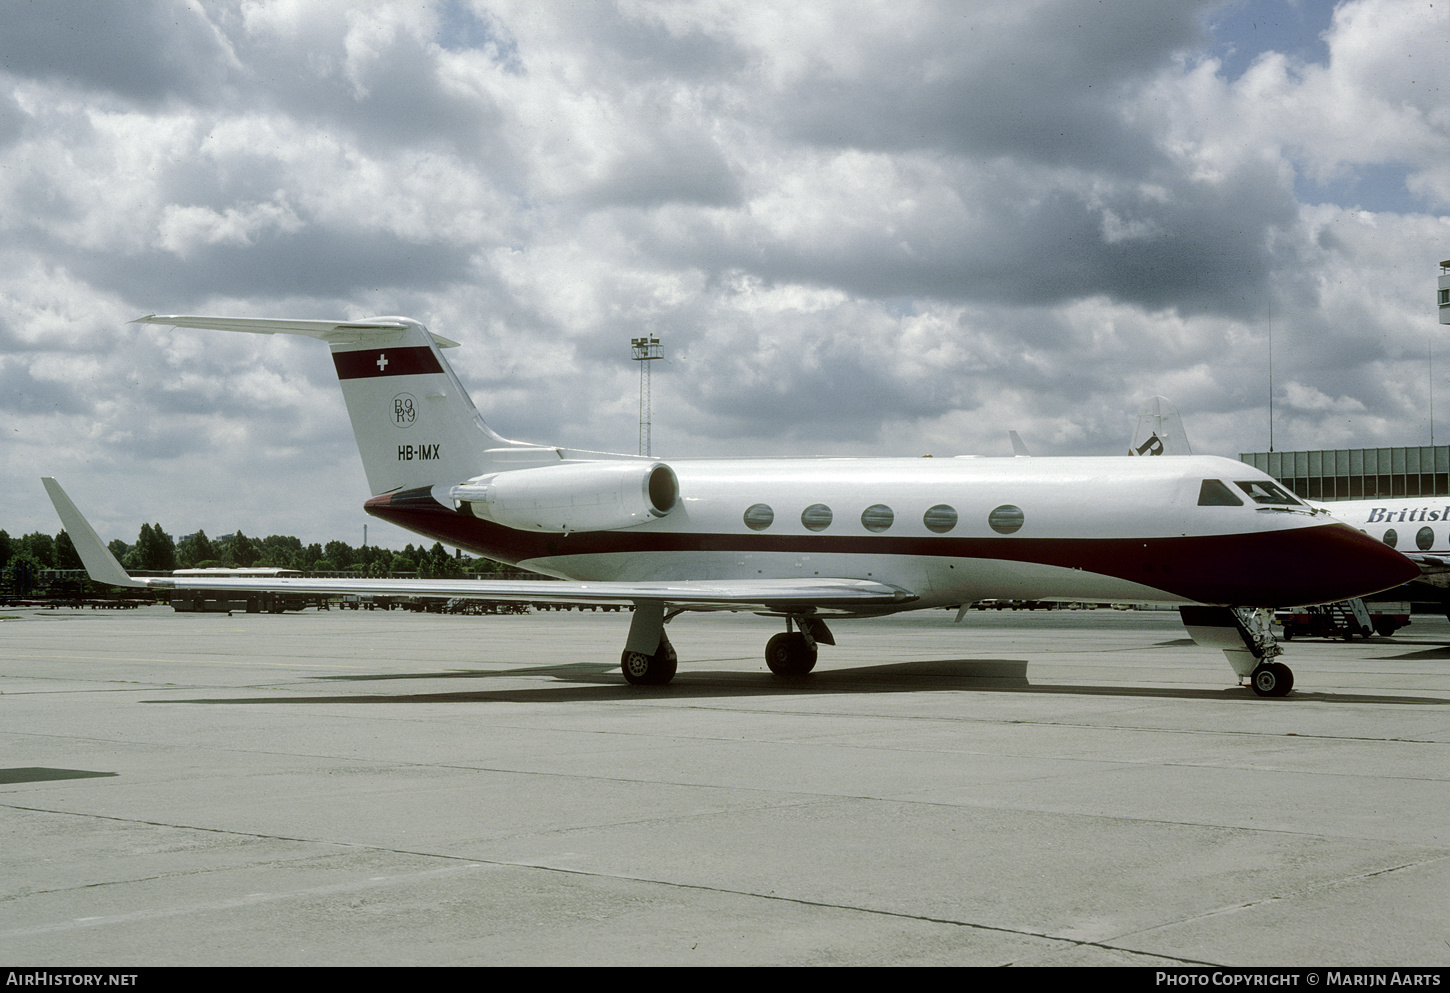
[{"x": 644, "y": 351}]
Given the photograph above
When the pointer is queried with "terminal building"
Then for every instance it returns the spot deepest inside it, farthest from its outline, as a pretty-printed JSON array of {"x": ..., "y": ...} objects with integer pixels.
[{"x": 1359, "y": 473}]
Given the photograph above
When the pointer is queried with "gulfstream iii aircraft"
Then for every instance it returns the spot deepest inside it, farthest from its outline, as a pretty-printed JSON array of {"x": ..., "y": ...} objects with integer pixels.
[{"x": 803, "y": 540}]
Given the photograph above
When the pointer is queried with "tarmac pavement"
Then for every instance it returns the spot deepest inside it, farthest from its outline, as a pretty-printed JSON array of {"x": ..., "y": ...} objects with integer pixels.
[{"x": 1025, "y": 788}]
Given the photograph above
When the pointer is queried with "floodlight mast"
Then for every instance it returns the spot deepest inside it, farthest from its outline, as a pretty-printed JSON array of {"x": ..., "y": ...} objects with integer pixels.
[{"x": 645, "y": 350}]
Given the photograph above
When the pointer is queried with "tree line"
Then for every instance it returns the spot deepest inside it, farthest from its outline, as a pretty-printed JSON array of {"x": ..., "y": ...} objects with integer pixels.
[{"x": 156, "y": 551}]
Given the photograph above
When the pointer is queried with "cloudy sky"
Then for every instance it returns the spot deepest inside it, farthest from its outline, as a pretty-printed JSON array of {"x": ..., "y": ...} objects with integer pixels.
[{"x": 858, "y": 228}]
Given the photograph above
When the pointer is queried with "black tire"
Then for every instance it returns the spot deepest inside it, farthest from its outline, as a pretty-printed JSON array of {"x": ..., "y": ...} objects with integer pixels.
[
  {"x": 789, "y": 655},
  {"x": 1288, "y": 632},
  {"x": 1271, "y": 679},
  {"x": 1286, "y": 678},
  {"x": 650, "y": 670}
]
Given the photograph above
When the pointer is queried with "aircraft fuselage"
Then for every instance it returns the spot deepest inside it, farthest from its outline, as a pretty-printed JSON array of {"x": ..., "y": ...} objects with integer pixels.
[{"x": 952, "y": 531}]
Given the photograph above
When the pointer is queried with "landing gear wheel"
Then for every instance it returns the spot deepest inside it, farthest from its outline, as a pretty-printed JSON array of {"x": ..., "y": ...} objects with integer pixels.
[
  {"x": 789, "y": 654},
  {"x": 650, "y": 670},
  {"x": 1272, "y": 679}
]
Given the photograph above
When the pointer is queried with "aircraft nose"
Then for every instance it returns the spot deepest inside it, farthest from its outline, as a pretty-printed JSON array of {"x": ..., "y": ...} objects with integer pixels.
[{"x": 1344, "y": 562}]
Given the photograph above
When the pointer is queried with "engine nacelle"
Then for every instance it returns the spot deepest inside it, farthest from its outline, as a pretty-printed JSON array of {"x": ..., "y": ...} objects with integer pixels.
[{"x": 577, "y": 496}]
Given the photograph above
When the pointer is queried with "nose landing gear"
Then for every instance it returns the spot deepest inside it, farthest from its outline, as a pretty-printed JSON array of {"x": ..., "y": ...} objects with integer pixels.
[
  {"x": 1272, "y": 679},
  {"x": 1247, "y": 641}
]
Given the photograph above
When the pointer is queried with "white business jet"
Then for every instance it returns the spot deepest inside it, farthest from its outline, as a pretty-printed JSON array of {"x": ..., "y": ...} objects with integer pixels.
[{"x": 804, "y": 539}]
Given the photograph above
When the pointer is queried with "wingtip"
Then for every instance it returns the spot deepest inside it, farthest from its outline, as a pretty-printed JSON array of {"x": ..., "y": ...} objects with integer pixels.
[{"x": 100, "y": 564}]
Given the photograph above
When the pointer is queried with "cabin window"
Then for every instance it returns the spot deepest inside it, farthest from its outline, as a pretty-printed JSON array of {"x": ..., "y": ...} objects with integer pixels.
[
  {"x": 1391, "y": 538},
  {"x": 816, "y": 517},
  {"x": 1425, "y": 539},
  {"x": 877, "y": 517},
  {"x": 1266, "y": 492},
  {"x": 759, "y": 516},
  {"x": 940, "y": 519},
  {"x": 1006, "y": 519},
  {"x": 1213, "y": 493}
]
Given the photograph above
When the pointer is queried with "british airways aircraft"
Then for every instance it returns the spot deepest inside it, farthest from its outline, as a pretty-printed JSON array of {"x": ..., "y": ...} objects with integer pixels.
[{"x": 804, "y": 540}]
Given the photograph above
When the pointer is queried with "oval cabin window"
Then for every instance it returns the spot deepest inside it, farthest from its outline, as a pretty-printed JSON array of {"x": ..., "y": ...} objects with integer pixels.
[
  {"x": 878, "y": 517},
  {"x": 1006, "y": 519},
  {"x": 816, "y": 517},
  {"x": 940, "y": 519},
  {"x": 759, "y": 516}
]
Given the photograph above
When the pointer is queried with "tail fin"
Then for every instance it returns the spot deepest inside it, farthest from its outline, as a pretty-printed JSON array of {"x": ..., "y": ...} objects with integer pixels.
[
  {"x": 1160, "y": 430},
  {"x": 415, "y": 424}
]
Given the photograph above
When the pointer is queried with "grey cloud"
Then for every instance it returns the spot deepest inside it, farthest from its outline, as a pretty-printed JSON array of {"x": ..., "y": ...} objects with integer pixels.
[
  {"x": 12, "y": 119},
  {"x": 668, "y": 170},
  {"x": 143, "y": 50},
  {"x": 1203, "y": 248},
  {"x": 391, "y": 101},
  {"x": 625, "y": 47},
  {"x": 1041, "y": 82},
  {"x": 311, "y": 262},
  {"x": 22, "y": 393}
]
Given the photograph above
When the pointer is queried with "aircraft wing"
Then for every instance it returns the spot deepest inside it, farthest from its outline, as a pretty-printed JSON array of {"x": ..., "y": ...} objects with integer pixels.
[
  {"x": 1434, "y": 569},
  {"x": 794, "y": 595}
]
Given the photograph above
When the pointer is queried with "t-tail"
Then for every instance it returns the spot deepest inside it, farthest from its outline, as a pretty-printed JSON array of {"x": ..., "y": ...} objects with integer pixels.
[
  {"x": 1160, "y": 430},
  {"x": 414, "y": 422}
]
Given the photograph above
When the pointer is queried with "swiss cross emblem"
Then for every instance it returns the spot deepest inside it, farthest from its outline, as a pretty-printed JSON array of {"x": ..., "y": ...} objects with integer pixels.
[{"x": 382, "y": 362}]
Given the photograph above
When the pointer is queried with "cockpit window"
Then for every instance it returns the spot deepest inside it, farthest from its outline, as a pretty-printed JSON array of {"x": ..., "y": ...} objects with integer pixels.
[
  {"x": 1265, "y": 492},
  {"x": 1213, "y": 493}
]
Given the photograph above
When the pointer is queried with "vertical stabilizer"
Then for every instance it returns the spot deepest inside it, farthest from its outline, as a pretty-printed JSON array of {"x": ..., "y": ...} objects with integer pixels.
[
  {"x": 414, "y": 423},
  {"x": 1160, "y": 430}
]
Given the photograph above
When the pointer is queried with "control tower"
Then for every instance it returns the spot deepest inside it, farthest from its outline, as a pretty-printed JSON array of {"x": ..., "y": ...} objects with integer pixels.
[{"x": 1444, "y": 300}]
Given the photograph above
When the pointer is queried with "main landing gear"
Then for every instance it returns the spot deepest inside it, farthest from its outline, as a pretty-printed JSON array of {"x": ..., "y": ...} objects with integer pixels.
[
  {"x": 1247, "y": 641},
  {"x": 650, "y": 670},
  {"x": 650, "y": 660},
  {"x": 792, "y": 654}
]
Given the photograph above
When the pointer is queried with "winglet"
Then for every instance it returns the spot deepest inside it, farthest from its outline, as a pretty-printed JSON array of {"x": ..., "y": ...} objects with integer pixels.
[
  {"x": 100, "y": 564},
  {"x": 1018, "y": 448}
]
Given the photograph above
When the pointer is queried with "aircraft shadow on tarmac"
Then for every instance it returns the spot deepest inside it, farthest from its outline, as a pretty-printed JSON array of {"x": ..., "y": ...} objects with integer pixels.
[
  {"x": 599, "y": 681},
  {"x": 1439, "y": 652}
]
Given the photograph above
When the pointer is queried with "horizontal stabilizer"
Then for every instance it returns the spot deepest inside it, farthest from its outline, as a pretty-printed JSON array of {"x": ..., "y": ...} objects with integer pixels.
[{"x": 333, "y": 332}]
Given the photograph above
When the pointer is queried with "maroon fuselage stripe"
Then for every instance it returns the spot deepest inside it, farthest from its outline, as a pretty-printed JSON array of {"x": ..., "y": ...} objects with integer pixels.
[
  {"x": 368, "y": 363},
  {"x": 1277, "y": 568}
]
